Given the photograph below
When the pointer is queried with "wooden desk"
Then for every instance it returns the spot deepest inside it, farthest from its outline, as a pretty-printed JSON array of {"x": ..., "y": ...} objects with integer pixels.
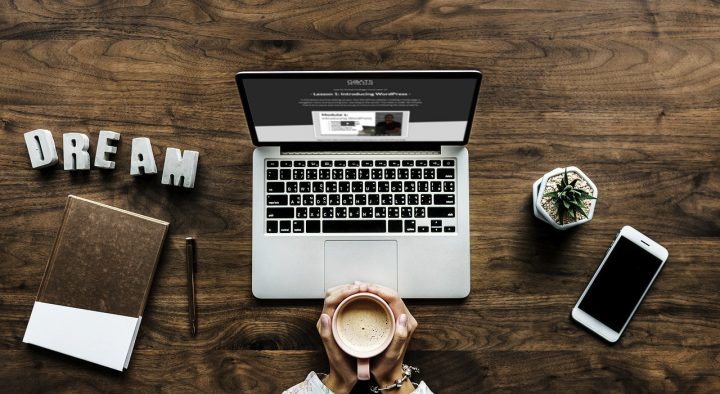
[{"x": 630, "y": 92}]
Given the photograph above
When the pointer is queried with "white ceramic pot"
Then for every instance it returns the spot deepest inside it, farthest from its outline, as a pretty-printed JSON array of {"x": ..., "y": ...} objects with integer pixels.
[{"x": 539, "y": 190}]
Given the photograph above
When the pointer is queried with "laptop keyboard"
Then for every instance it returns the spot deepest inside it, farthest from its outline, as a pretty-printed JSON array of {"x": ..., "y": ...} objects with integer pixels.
[{"x": 360, "y": 196}]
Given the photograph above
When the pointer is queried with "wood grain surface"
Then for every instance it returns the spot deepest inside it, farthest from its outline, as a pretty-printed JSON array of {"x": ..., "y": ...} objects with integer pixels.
[{"x": 629, "y": 91}]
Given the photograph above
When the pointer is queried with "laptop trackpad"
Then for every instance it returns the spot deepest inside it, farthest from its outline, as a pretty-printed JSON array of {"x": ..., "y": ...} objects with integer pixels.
[{"x": 367, "y": 261}]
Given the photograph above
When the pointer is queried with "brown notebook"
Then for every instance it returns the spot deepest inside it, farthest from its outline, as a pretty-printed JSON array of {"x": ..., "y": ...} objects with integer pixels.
[{"x": 101, "y": 268}]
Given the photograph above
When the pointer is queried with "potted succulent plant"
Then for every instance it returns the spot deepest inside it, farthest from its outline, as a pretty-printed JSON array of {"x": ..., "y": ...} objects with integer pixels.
[{"x": 564, "y": 198}]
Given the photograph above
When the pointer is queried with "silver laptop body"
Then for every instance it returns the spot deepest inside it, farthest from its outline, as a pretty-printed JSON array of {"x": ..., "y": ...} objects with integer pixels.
[{"x": 360, "y": 175}]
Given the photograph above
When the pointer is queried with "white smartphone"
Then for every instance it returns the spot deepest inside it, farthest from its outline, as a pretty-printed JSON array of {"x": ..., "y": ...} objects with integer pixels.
[{"x": 615, "y": 291}]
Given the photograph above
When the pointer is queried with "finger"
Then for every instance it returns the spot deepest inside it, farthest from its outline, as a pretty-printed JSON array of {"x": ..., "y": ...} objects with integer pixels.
[
  {"x": 325, "y": 329},
  {"x": 399, "y": 341},
  {"x": 391, "y": 297},
  {"x": 339, "y": 294}
]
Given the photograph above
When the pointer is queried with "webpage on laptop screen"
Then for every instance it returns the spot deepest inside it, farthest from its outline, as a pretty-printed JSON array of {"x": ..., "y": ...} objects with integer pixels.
[{"x": 373, "y": 109}]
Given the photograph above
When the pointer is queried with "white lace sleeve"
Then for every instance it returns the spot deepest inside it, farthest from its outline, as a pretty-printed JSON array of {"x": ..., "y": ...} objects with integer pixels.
[
  {"x": 311, "y": 385},
  {"x": 422, "y": 388}
]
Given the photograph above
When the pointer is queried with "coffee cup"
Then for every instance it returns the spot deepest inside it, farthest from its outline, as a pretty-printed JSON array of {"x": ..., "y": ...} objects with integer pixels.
[{"x": 363, "y": 326}]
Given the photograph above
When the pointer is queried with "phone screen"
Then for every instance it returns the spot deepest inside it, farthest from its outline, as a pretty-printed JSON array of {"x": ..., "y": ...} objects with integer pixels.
[{"x": 620, "y": 284}]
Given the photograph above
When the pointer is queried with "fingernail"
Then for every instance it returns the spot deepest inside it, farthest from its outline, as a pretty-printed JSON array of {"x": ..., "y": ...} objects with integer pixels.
[
  {"x": 324, "y": 320},
  {"x": 402, "y": 320}
]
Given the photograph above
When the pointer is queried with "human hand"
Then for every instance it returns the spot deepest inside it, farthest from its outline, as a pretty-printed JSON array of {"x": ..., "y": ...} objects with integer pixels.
[
  {"x": 343, "y": 374},
  {"x": 387, "y": 367}
]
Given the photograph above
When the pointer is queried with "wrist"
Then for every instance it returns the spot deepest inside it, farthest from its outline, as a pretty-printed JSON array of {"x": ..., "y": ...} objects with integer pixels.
[{"x": 337, "y": 384}]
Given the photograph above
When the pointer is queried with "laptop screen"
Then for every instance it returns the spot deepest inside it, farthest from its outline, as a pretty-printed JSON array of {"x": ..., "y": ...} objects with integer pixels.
[{"x": 383, "y": 106}]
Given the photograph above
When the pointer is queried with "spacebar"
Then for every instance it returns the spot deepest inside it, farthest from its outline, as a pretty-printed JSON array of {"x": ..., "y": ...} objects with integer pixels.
[{"x": 353, "y": 226}]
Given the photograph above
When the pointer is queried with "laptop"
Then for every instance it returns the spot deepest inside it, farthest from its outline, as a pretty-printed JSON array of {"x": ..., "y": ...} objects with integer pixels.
[{"x": 360, "y": 175}]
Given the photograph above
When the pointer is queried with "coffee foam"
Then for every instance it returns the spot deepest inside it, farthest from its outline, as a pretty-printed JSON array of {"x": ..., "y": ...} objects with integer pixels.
[{"x": 363, "y": 324}]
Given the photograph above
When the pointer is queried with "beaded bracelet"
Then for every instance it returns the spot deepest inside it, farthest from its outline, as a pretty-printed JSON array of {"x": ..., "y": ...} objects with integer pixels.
[{"x": 406, "y": 374}]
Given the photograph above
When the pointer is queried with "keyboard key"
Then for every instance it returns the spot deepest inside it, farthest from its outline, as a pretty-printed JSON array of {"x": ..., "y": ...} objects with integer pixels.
[
  {"x": 426, "y": 199},
  {"x": 321, "y": 199},
  {"x": 363, "y": 173},
  {"x": 367, "y": 163},
  {"x": 423, "y": 229},
  {"x": 331, "y": 187},
  {"x": 409, "y": 226},
  {"x": 271, "y": 225},
  {"x": 354, "y": 212},
  {"x": 380, "y": 212},
  {"x": 423, "y": 186},
  {"x": 434, "y": 163},
  {"x": 311, "y": 174},
  {"x": 318, "y": 187},
  {"x": 301, "y": 212},
  {"x": 275, "y": 187},
  {"x": 340, "y": 212},
  {"x": 449, "y": 163},
  {"x": 291, "y": 187},
  {"x": 419, "y": 212},
  {"x": 403, "y": 173},
  {"x": 445, "y": 173},
  {"x": 389, "y": 173},
  {"x": 416, "y": 173},
  {"x": 366, "y": 212},
  {"x": 280, "y": 213},
  {"x": 421, "y": 163},
  {"x": 406, "y": 212},
  {"x": 298, "y": 226},
  {"x": 277, "y": 199},
  {"x": 272, "y": 175},
  {"x": 444, "y": 199},
  {"x": 286, "y": 163},
  {"x": 395, "y": 226},
  {"x": 350, "y": 173},
  {"x": 409, "y": 187},
  {"x": 386, "y": 199},
  {"x": 436, "y": 229},
  {"x": 370, "y": 187},
  {"x": 429, "y": 173},
  {"x": 285, "y": 174},
  {"x": 373, "y": 199},
  {"x": 396, "y": 186},
  {"x": 354, "y": 163},
  {"x": 393, "y": 212},
  {"x": 324, "y": 173},
  {"x": 340, "y": 163},
  {"x": 449, "y": 186},
  {"x": 299, "y": 163},
  {"x": 314, "y": 213},
  {"x": 380, "y": 163},
  {"x": 399, "y": 199},
  {"x": 334, "y": 199},
  {"x": 295, "y": 199},
  {"x": 298, "y": 174},
  {"x": 357, "y": 187},
  {"x": 344, "y": 187},
  {"x": 326, "y": 163},
  {"x": 337, "y": 173},
  {"x": 347, "y": 199},
  {"x": 407, "y": 163},
  {"x": 435, "y": 186},
  {"x": 449, "y": 229},
  {"x": 436, "y": 223},
  {"x": 360, "y": 199},
  {"x": 441, "y": 212},
  {"x": 413, "y": 199},
  {"x": 304, "y": 187},
  {"x": 376, "y": 173},
  {"x": 327, "y": 213},
  {"x": 383, "y": 186},
  {"x": 312, "y": 226},
  {"x": 285, "y": 226},
  {"x": 313, "y": 163},
  {"x": 353, "y": 226},
  {"x": 394, "y": 163},
  {"x": 271, "y": 163}
]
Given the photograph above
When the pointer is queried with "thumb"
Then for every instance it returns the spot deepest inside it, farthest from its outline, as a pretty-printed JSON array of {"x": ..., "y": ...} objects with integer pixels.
[
  {"x": 400, "y": 338},
  {"x": 325, "y": 329}
]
